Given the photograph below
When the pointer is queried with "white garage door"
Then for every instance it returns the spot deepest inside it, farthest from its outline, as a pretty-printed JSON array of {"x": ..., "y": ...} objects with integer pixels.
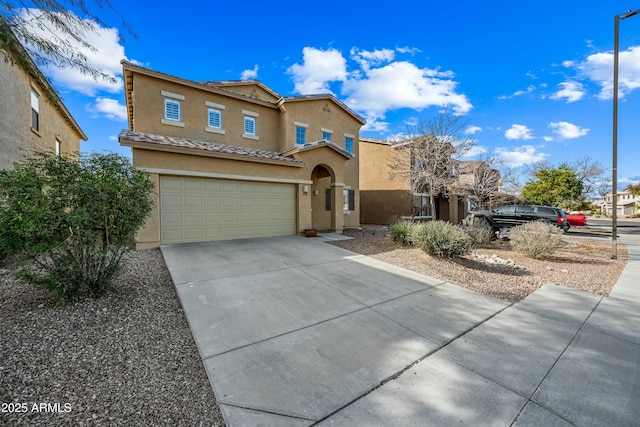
[{"x": 204, "y": 209}]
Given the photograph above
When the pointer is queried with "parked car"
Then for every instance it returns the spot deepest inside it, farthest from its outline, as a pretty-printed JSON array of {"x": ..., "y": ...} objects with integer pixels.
[
  {"x": 577, "y": 219},
  {"x": 506, "y": 217}
]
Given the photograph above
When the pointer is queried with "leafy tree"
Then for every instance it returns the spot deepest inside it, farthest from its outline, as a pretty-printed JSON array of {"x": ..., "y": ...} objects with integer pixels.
[
  {"x": 60, "y": 38},
  {"x": 589, "y": 172},
  {"x": 427, "y": 159},
  {"x": 554, "y": 187},
  {"x": 69, "y": 220},
  {"x": 634, "y": 189}
]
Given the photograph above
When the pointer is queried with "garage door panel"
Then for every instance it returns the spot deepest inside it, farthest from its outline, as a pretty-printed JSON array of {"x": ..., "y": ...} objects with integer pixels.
[{"x": 202, "y": 209}]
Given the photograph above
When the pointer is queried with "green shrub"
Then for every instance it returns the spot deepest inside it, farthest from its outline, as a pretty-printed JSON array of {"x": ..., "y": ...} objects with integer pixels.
[
  {"x": 536, "y": 239},
  {"x": 479, "y": 230},
  {"x": 401, "y": 232},
  {"x": 441, "y": 239},
  {"x": 69, "y": 220}
]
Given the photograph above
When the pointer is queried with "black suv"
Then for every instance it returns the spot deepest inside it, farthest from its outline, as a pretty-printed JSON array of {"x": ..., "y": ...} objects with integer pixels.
[{"x": 506, "y": 217}]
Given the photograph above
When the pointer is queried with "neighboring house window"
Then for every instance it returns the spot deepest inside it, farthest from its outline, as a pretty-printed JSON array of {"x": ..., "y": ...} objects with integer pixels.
[
  {"x": 421, "y": 205},
  {"x": 250, "y": 125},
  {"x": 301, "y": 135},
  {"x": 57, "y": 147},
  {"x": 349, "y": 200},
  {"x": 172, "y": 108},
  {"x": 35, "y": 110},
  {"x": 326, "y": 134}
]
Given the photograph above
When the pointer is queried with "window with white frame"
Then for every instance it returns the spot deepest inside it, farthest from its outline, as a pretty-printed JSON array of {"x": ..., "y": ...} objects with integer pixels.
[
  {"x": 249, "y": 125},
  {"x": 35, "y": 110},
  {"x": 348, "y": 144},
  {"x": 250, "y": 129},
  {"x": 58, "y": 143},
  {"x": 172, "y": 108},
  {"x": 301, "y": 135},
  {"x": 215, "y": 118},
  {"x": 326, "y": 134}
]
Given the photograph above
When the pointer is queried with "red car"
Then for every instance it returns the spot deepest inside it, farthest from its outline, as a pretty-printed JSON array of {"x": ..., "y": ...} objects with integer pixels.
[{"x": 577, "y": 219}]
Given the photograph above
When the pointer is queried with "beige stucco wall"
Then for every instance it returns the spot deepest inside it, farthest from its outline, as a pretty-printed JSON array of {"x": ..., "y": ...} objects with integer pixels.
[
  {"x": 375, "y": 168},
  {"x": 148, "y": 104},
  {"x": 17, "y": 138}
]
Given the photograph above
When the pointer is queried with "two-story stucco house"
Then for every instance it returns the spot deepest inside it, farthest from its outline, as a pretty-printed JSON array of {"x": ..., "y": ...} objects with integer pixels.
[
  {"x": 385, "y": 198},
  {"x": 32, "y": 115},
  {"x": 234, "y": 159}
]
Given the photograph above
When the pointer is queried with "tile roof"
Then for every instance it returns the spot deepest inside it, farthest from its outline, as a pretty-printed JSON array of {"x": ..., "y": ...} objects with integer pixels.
[
  {"x": 316, "y": 144},
  {"x": 201, "y": 145}
]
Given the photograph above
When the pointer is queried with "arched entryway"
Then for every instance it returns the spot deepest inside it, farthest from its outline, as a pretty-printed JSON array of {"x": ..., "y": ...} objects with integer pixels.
[{"x": 322, "y": 205}]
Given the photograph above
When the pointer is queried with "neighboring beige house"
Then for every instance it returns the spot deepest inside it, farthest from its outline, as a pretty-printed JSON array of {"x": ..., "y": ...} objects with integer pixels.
[
  {"x": 627, "y": 204},
  {"x": 384, "y": 198},
  {"x": 32, "y": 115},
  {"x": 235, "y": 159}
]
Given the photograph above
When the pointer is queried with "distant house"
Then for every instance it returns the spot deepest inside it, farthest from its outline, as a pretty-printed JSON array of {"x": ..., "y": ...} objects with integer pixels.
[
  {"x": 627, "y": 204},
  {"x": 234, "y": 159},
  {"x": 32, "y": 115},
  {"x": 384, "y": 198}
]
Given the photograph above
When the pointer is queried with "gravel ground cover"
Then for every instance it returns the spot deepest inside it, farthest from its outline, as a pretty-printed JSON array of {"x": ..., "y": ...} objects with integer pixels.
[
  {"x": 582, "y": 262},
  {"x": 126, "y": 359}
]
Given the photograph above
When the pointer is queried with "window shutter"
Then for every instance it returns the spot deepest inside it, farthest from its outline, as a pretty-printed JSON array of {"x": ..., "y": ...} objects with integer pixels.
[
  {"x": 215, "y": 119},
  {"x": 172, "y": 110},
  {"x": 327, "y": 203},
  {"x": 352, "y": 200},
  {"x": 249, "y": 126}
]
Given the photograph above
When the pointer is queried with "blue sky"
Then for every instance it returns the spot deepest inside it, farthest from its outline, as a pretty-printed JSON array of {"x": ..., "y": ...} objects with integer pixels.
[{"x": 534, "y": 80}]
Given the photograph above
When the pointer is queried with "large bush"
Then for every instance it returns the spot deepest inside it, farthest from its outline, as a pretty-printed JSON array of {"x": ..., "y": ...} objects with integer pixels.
[
  {"x": 479, "y": 230},
  {"x": 69, "y": 220},
  {"x": 441, "y": 239},
  {"x": 401, "y": 231},
  {"x": 536, "y": 239}
]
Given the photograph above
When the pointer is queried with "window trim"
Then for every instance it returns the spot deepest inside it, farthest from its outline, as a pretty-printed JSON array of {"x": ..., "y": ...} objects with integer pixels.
[
  {"x": 58, "y": 147},
  {"x": 328, "y": 132},
  {"x": 170, "y": 97},
  {"x": 348, "y": 141},
  {"x": 301, "y": 135},
  {"x": 220, "y": 108},
  {"x": 248, "y": 135},
  {"x": 35, "y": 112}
]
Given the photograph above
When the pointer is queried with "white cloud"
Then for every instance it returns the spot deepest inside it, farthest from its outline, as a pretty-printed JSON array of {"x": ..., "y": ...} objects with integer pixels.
[
  {"x": 599, "y": 68},
  {"x": 318, "y": 69},
  {"x": 407, "y": 49},
  {"x": 472, "y": 130},
  {"x": 109, "y": 108},
  {"x": 109, "y": 52},
  {"x": 475, "y": 150},
  {"x": 518, "y": 132},
  {"x": 378, "y": 84},
  {"x": 367, "y": 59},
  {"x": 250, "y": 74},
  {"x": 547, "y": 138},
  {"x": 568, "y": 130},
  {"x": 571, "y": 91},
  {"x": 519, "y": 156},
  {"x": 529, "y": 89}
]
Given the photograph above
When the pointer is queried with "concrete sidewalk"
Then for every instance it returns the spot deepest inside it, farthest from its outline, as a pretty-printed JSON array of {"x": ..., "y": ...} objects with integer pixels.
[{"x": 293, "y": 331}]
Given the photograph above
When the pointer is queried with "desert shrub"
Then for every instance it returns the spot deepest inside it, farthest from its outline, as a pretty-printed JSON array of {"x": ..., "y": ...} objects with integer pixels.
[
  {"x": 69, "y": 220},
  {"x": 536, "y": 239},
  {"x": 441, "y": 239},
  {"x": 401, "y": 232},
  {"x": 479, "y": 230}
]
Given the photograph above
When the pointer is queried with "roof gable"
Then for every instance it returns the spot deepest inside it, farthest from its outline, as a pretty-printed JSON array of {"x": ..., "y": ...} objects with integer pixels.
[{"x": 249, "y": 88}]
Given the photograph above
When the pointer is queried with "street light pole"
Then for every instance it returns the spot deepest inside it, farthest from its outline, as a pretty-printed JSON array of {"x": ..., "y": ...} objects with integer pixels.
[{"x": 614, "y": 165}]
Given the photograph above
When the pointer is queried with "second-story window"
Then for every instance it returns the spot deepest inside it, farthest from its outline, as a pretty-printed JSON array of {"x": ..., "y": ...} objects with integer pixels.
[
  {"x": 326, "y": 134},
  {"x": 301, "y": 135},
  {"x": 301, "y": 132},
  {"x": 348, "y": 144},
  {"x": 215, "y": 118},
  {"x": 172, "y": 108},
  {"x": 35, "y": 110},
  {"x": 249, "y": 125}
]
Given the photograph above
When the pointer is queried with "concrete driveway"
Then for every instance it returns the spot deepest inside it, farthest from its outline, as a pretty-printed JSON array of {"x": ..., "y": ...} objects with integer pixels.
[{"x": 293, "y": 331}]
